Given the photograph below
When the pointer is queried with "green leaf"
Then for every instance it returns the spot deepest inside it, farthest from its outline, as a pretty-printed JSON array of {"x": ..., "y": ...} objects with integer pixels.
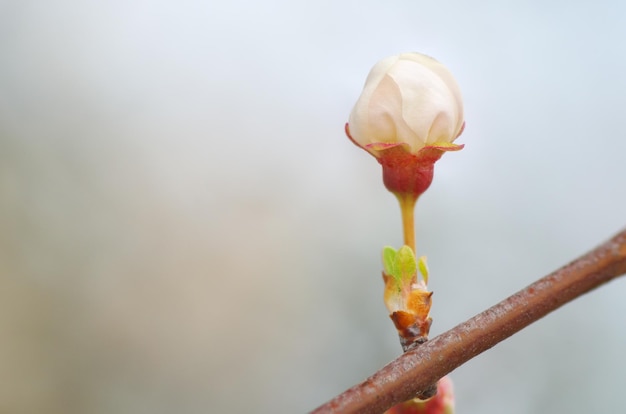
[
  {"x": 423, "y": 267},
  {"x": 389, "y": 261},
  {"x": 406, "y": 265}
]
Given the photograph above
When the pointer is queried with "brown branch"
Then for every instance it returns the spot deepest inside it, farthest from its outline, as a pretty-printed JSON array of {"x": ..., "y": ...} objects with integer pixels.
[{"x": 413, "y": 371}]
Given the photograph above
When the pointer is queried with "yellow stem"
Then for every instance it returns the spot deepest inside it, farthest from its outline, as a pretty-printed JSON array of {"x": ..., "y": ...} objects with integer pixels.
[{"x": 407, "y": 207}]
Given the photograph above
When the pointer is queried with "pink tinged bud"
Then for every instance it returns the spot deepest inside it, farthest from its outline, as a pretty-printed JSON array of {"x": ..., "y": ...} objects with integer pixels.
[
  {"x": 442, "y": 403},
  {"x": 408, "y": 115}
]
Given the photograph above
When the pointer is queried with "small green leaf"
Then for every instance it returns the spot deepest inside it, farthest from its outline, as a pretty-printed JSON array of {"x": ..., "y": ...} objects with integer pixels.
[
  {"x": 406, "y": 265},
  {"x": 389, "y": 261},
  {"x": 423, "y": 267}
]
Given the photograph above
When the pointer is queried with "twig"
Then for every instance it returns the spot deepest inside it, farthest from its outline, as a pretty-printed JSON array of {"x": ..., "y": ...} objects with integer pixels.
[{"x": 410, "y": 373}]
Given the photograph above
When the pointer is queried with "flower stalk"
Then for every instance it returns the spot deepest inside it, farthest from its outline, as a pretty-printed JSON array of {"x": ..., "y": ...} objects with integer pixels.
[{"x": 407, "y": 208}]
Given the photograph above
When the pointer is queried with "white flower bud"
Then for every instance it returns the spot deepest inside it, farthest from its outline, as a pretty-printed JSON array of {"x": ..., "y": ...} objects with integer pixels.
[{"x": 407, "y": 99}]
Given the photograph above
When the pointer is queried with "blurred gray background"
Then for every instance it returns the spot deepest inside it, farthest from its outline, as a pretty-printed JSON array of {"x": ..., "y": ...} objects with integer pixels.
[{"x": 185, "y": 228}]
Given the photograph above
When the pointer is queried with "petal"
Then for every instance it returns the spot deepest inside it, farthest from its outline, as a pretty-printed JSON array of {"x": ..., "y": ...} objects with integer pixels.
[
  {"x": 442, "y": 72},
  {"x": 428, "y": 106},
  {"x": 360, "y": 116},
  {"x": 379, "y": 71}
]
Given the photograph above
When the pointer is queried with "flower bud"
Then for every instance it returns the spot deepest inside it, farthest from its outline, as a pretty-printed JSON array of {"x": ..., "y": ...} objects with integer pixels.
[
  {"x": 442, "y": 403},
  {"x": 406, "y": 296},
  {"x": 408, "y": 115}
]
